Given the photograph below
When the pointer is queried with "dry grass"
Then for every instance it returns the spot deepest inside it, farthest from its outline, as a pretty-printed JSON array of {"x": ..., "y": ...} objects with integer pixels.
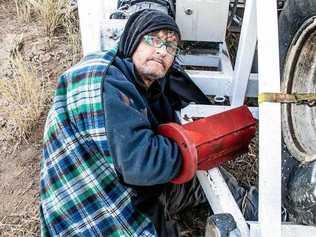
[
  {"x": 24, "y": 97},
  {"x": 51, "y": 13},
  {"x": 21, "y": 225},
  {"x": 70, "y": 23},
  {"x": 58, "y": 17},
  {"x": 24, "y": 10},
  {"x": 232, "y": 40},
  {"x": 23, "y": 100},
  {"x": 245, "y": 167}
]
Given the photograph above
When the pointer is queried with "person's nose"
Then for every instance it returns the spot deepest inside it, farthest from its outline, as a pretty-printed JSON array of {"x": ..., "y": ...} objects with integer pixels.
[{"x": 162, "y": 50}]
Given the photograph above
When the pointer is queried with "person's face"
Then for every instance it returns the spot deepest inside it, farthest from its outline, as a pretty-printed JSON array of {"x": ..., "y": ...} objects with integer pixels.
[{"x": 153, "y": 62}]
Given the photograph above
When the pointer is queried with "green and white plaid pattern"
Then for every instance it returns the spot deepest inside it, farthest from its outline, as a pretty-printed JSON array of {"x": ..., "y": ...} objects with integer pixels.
[{"x": 80, "y": 191}]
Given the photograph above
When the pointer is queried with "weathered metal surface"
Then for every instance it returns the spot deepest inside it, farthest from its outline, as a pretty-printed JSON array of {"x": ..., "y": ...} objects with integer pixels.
[
  {"x": 287, "y": 230},
  {"x": 245, "y": 54},
  {"x": 270, "y": 121},
  {"x": 202, "y": 20},
  {"x": 201, "y": 111},
  {"x": 221, "y": 199},
  {"x": 215, "y": 139},
  {"x": 299, "y": 121}
]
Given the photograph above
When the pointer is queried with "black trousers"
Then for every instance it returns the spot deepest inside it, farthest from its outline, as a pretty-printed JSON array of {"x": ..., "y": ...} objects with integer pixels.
[{"x": 176, "y": 198}]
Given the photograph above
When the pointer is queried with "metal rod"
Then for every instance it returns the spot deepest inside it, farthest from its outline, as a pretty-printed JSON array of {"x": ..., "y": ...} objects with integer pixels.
[
  {"x": 245, "y": 53},
  {"x": 270, "y": 121},
  {"x": 220, "y": 198}
]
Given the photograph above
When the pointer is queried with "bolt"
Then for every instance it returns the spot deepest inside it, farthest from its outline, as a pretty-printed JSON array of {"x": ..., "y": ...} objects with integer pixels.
[{"x": 188, "y": 11}]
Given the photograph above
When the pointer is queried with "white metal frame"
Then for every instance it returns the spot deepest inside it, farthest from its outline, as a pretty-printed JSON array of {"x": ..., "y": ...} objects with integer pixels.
[
  {"x": 90, "y": 16},
  {"x": 244, "y": 58},
  {"x": 270, "y": 120},
  {"x": 201, "y": 111},
  {"x": 237, "y": 84},
  {"x": 220, "y": 198},
  {"x": 193, "y": 27},
  {"x": 93, "y": 27}
]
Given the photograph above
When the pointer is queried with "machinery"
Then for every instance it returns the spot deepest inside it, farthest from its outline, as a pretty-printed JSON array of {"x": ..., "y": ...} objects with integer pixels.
[{"x": 203, "y": 24}]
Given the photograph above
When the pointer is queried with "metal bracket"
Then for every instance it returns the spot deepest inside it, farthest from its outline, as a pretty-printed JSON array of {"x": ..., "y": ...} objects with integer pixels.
[{"x": 296, "y": 98}]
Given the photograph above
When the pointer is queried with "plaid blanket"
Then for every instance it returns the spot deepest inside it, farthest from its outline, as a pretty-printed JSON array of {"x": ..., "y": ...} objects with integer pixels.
[{"x": 80, "y": 191}]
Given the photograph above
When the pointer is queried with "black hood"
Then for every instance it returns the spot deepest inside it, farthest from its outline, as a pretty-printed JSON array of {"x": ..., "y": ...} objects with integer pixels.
[{"x": 140, "y": 24}]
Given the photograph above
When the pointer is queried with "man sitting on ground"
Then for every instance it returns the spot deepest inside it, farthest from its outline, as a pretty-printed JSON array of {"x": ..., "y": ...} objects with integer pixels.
[{"x": 105, "y": 171}]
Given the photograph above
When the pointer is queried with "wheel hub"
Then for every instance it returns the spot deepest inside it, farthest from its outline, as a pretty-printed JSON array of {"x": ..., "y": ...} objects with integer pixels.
[{"x": 299, "y": 121}]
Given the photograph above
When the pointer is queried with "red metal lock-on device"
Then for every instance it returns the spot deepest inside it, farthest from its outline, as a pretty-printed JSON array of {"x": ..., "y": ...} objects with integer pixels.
[{"x": 212, "y": 140}]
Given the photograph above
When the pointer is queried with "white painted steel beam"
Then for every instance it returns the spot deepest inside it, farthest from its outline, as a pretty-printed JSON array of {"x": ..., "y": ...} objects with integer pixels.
[
  {"x": 220, "y": 83},
  {"x": 201, "y": 111},
  {"x": 220, "y": 198},
  {"x": 270, "y": 121},
  {"x": 202, "y": 20},
  {"x": 212, "y": 82},
  {"x": 287, "y": 230},
  {"x": 245, "y": 54},
  {"x": 90, "y": 15},
  {"x": 215, "y": 82}
]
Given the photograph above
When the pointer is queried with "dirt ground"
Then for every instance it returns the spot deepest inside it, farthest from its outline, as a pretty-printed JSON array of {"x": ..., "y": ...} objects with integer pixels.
[{"x": 19, "y": 161}]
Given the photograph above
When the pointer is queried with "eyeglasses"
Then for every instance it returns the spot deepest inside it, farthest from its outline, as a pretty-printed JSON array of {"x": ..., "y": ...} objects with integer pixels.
[{"x": 156, "y": 42}]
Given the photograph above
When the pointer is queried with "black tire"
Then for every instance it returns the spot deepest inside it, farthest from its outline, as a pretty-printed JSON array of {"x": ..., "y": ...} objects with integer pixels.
[
  {"x": 292, "y": 17},
  {"x": 295, "y": 18},
  {"x": 292, "y": 21}
]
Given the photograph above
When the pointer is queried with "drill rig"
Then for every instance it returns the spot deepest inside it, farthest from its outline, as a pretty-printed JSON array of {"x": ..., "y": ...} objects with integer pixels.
[{"x": 205, "y": 56}]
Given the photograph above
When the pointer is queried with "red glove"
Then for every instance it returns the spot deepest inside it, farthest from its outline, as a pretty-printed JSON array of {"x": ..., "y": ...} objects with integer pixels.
[{"x": 207, "y": 143}]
